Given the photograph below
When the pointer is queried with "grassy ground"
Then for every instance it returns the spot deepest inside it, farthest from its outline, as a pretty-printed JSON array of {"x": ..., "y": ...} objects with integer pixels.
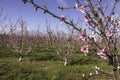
[{"x": 44, "y": 64}]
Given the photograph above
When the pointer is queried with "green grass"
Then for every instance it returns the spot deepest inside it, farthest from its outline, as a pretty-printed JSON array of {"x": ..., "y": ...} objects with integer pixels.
[{"x": 44, "y": 64}]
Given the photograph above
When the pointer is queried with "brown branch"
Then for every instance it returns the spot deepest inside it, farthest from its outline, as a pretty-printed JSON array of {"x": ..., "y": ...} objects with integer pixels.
[
  {"x": 54, "y": 15},
  {"x": 78, "y": 2},
  {"x": 99, "y": 21}
]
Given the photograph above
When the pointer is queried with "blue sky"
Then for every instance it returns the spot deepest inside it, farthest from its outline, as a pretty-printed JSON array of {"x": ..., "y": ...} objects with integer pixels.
[{"x": 16, "y": 9}]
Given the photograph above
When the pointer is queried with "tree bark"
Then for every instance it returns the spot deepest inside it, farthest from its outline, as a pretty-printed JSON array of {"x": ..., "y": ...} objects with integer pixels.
[
  {"x": 20, "y": 58},
  {"x": 65, "y": 63},
  {"x": 114, "y": 62}
]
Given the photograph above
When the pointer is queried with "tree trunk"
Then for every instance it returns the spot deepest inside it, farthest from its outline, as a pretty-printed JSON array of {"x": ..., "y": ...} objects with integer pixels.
[
  {"x": 114, "y": 62},
  {"x": 65, "y": 61},
  {"x": 20, "y": 58},
  {"x": 115, "y": 74}
]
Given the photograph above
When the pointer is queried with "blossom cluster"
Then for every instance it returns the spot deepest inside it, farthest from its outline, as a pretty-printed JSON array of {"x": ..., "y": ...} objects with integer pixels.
[{"x": 96, "y": 37}]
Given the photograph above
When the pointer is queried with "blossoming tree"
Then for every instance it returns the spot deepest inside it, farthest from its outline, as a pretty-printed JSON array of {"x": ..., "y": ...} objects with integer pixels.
[
  {"x": 20, "y": 40},
  {"x": 3, "y": 27},
  {"x": 103, "y": 29},
  {"x": 63, "y": 46}
]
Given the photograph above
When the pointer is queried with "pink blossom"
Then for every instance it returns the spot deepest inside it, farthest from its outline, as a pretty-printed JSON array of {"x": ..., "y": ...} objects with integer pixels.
[
  {"x": 83, "y": 36},
  {"x": 96, "y": 69},
  {"x": 95, "y": 37},
  {"x": 82, "y": 9},
  {"x": 92, "y": 35},
  {"x": 110, "y": 32},
  {"x": 101, "y": 54},
  {"x": 85, "y": 49},
  {"x": 63, "y": 19},
  {"x": 86, "y": 18},
  {"x": 89, "y": 22},
  {"x": 112, "y": 20},
  {"x": 99, "y": 38},
  {"x": 118, "y": 30},
  {"x": 105, "y": 49},
  {"x": 118, "y": 23},
  {"x": 79, "y": 7}
]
